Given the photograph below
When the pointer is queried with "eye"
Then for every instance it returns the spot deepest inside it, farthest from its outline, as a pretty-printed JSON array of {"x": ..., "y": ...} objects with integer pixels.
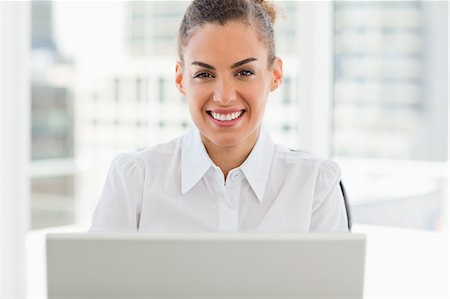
[
  {"x": 203, "y": 75},
  {"x": 245, "y": 73}
]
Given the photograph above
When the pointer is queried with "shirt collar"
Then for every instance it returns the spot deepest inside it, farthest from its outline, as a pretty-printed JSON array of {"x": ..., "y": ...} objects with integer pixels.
[
  {"x": 195, "y": 161},
  {"x": 256, "y": 167}
]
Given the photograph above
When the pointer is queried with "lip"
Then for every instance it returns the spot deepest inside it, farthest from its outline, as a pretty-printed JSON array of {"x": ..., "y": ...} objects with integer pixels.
[
  {"x": 227, "y": 123},
  {"x": 225, "y": 110}
]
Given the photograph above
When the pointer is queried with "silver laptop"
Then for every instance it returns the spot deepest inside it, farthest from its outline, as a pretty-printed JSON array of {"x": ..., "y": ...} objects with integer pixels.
[{"x": 225, "y": 265}]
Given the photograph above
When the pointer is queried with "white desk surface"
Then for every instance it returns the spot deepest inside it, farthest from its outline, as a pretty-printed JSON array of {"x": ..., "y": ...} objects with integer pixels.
[
  {"x": 405, "y": 263},
  {"x": 400, "y": 263}
]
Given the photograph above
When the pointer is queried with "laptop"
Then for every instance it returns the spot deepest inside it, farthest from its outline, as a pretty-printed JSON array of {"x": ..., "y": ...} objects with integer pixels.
[{"x": 225, "y": 265}]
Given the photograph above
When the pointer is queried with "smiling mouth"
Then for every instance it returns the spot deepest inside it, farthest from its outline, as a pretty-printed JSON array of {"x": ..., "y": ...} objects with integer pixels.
[{"x": 226, "y": 117}]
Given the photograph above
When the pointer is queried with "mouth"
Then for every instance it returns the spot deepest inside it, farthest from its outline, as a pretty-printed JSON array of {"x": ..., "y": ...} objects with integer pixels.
[{"x": 226, "y": 118}]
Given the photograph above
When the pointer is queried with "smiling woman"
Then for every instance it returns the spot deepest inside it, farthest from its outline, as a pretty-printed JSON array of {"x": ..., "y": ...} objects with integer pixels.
[
  {"x": 227, "y": 90},
  {"x": 225, "y": 174}
]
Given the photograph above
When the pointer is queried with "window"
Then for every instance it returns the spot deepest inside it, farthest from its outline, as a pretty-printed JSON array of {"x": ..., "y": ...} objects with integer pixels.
[
  {"x": 363, "y": 84},
  {"x": 390, "y": 110}
]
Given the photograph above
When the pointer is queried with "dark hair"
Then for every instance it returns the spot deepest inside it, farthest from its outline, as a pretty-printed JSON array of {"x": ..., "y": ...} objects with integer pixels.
[{"x": 259, "y": 13}]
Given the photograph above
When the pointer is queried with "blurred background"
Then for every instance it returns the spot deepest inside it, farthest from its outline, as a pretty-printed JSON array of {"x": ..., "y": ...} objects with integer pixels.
[
  {"x": 102, "y": 82},
  {"x": 366, "y": 84}
]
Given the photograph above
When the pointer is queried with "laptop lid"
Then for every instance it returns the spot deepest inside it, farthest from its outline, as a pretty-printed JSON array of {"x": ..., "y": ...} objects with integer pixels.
[{"x": 308, "y": 265}]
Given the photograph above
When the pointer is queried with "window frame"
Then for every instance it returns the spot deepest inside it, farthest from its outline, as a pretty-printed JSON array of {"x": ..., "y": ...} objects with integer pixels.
[
  {"x": 315, "y": 44},
  {"x": 15, "y": 143}
]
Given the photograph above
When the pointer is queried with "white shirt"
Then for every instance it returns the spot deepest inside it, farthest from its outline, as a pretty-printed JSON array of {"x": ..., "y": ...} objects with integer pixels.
[{"x": 175, "y": 187}]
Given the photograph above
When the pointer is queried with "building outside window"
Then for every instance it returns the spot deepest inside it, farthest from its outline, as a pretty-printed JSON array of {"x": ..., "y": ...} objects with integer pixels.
[
  {"x": 102, "y": 88},
  {"x": 390, "y": 110}
]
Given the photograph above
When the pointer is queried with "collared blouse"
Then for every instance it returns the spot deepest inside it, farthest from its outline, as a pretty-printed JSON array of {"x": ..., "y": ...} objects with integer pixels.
[{"x": 176, "y": 187}]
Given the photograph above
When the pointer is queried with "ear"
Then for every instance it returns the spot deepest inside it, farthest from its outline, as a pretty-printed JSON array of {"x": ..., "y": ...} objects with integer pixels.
[
  {"x": 179, "y": 77},
  {"x": 277, "y": 72}
]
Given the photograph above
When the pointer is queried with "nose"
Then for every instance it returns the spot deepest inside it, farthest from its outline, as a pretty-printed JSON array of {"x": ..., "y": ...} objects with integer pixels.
[{"x": 224, "y": 92}]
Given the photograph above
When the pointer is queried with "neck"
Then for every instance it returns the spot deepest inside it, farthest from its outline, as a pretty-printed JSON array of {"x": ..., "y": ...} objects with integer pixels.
[{"x": 230, "y": 157}]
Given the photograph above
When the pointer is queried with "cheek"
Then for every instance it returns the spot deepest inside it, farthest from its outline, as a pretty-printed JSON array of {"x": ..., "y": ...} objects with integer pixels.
[
  {"x": 196, "y": 99},
  {"x": 256, "y": 93}
]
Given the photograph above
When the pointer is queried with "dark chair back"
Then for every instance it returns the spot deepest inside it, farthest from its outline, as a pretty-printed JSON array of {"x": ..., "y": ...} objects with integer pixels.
[{"x": 347, "y": 206}]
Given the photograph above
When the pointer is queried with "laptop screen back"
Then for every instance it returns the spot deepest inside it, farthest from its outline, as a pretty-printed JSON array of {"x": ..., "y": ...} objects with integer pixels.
[{"x": 205, "y": 265}]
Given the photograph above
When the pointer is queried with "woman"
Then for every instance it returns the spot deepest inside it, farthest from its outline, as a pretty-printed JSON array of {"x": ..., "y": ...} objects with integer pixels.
[{"x": 225, "y": 174}]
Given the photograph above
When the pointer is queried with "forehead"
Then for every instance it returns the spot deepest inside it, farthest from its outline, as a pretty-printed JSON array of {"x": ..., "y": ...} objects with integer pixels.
[{"x": 229, "y": 43}]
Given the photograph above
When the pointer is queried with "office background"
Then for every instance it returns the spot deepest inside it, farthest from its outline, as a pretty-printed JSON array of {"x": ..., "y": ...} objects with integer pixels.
[{"x": 366, "y": 84}]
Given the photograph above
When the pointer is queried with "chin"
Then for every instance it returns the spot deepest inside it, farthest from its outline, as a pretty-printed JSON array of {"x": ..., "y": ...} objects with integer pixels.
[
  {"x": 222, "y": 139},
  {"x": 226, "y": 141}
]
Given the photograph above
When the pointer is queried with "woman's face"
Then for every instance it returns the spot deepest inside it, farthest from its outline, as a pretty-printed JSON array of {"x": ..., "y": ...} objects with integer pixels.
[{"x": 226, "y": 79}]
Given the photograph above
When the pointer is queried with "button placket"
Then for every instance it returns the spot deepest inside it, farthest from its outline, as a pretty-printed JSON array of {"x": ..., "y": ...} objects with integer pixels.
[
  {"x": 235, "y": 176},
  {"x": 228, "y": 206}
]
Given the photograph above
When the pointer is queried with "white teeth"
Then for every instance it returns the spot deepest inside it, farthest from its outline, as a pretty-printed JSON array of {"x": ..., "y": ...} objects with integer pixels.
[{"x": 226, "y": 117}]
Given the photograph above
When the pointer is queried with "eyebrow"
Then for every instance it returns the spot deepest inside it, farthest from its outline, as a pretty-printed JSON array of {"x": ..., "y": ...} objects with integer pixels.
[
  {"x": 203, "y": 65},
  {"x": 235, "y": 65},
  {"x": 243, "y": 62}
]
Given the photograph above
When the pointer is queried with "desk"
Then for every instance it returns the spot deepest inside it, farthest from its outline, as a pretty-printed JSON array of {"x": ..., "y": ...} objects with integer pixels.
[
  {"x": 400, "y": 263},
  {"x": 405, "y": 263}
]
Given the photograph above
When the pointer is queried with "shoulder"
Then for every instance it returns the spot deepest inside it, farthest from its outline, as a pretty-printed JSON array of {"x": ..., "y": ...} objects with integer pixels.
[
  {"x": 303, "y": 161},
  {"x": 156, "y": 152},
  {"x": 142, "y": 158}
]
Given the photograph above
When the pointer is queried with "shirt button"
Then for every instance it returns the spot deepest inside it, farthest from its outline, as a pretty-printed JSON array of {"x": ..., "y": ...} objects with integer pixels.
[{"x": 235, "y": 176}]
